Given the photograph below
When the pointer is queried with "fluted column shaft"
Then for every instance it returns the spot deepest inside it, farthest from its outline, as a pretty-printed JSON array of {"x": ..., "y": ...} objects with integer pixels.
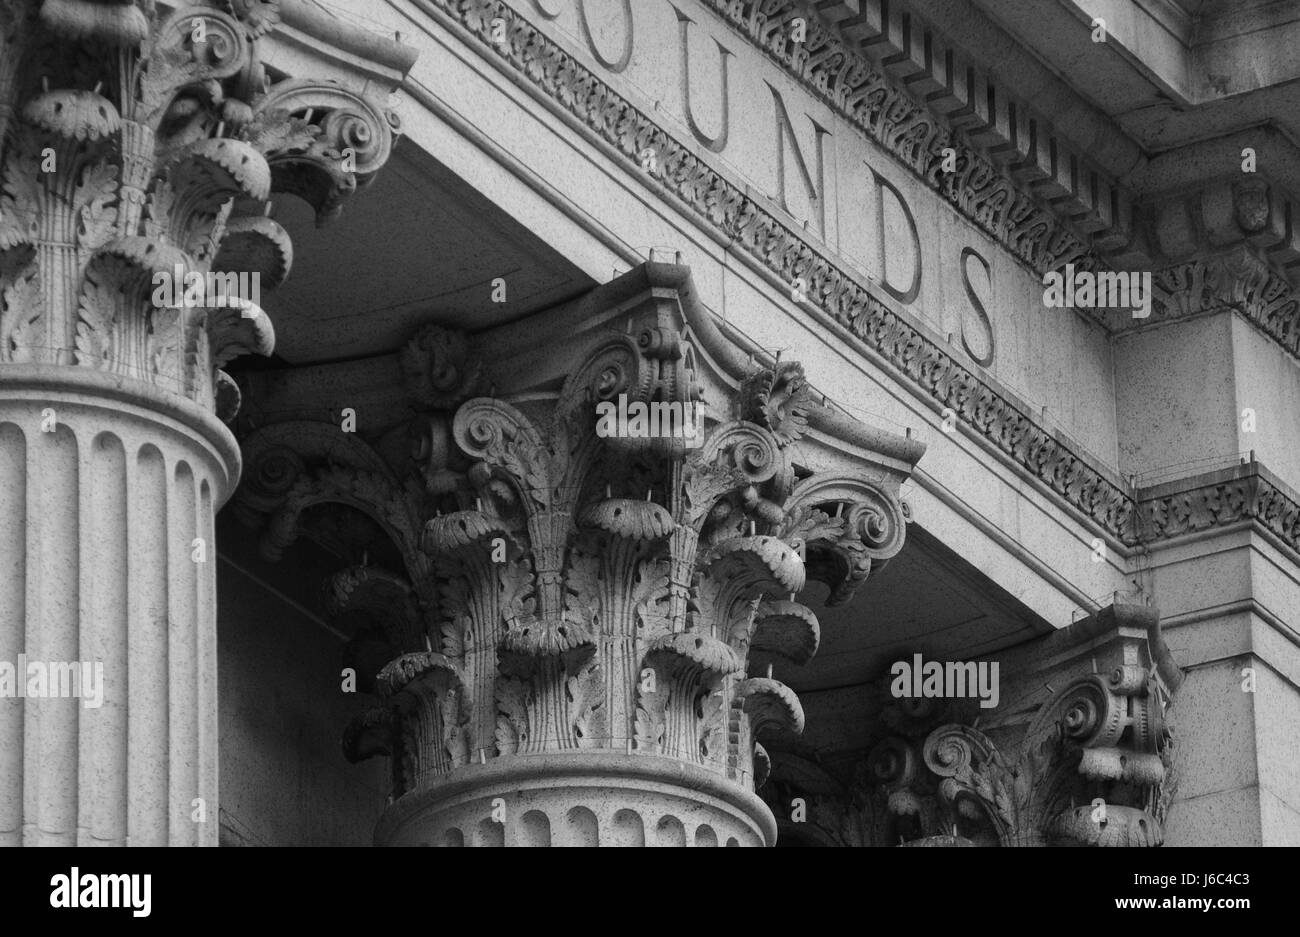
[{"x": 108, "y": 489}]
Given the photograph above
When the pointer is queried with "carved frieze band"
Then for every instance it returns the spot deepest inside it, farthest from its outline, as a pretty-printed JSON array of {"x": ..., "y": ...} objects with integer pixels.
[
  {"x": 1045, "y": 173},
  {"x": 1253, "y": 279},
  {"x": 915, "y": 358},
  {"x": 1013, "y": 209},
  {"x": 1235, "y": 279},
  {"x": 1042, "y": 164}
]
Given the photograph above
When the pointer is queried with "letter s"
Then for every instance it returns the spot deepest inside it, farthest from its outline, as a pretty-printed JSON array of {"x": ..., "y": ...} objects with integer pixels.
[{"x": 966, "y": 254}]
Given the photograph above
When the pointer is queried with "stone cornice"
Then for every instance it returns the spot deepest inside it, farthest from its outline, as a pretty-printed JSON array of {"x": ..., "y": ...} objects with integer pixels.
[
  {"x": 1246, "y": 493},
  {"x": 1234, "y": 280},
  {"x": 1016, "y": 179},
  {"x": 1228, "y": 243},
  {"x": 1029, "y": 164}
]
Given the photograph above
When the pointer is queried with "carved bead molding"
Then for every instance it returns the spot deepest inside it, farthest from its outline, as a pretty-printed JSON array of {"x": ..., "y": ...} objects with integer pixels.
[
  {"x": 1079, "y": 752},
  {"x": 137, "y": 142},
  {"x": 580, "y": 592},
  {"x": 887, "y": 337}
]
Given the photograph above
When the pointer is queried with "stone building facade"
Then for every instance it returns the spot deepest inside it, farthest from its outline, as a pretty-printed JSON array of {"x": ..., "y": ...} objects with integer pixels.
[{"x": 680, "y": 422}]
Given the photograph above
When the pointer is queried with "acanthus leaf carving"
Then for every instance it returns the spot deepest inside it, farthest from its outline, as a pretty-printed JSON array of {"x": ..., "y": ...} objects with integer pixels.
[
  {"x": 512, "y": 730},
  {"x": 22, "y": 335},
  {"x": 586, "y": 693}
]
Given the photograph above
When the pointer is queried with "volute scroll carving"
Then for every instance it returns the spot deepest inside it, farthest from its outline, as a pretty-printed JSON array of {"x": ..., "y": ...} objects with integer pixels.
[{"x": 850, "y": 527}]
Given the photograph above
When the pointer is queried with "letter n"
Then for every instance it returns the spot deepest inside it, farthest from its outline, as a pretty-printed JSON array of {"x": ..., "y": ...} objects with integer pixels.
[{"x": 815, "y": 190}]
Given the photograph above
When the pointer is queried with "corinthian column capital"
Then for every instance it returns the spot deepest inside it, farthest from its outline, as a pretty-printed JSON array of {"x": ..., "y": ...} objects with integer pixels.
[
  {"x": 138, "y": 154},
  {"x": 1078, "y": 750},
  {"x": 606, "y": 563}
]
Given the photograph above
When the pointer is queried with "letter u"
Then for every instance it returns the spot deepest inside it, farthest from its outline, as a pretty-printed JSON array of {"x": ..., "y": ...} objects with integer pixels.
[{"x": 712, "y": 144}]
